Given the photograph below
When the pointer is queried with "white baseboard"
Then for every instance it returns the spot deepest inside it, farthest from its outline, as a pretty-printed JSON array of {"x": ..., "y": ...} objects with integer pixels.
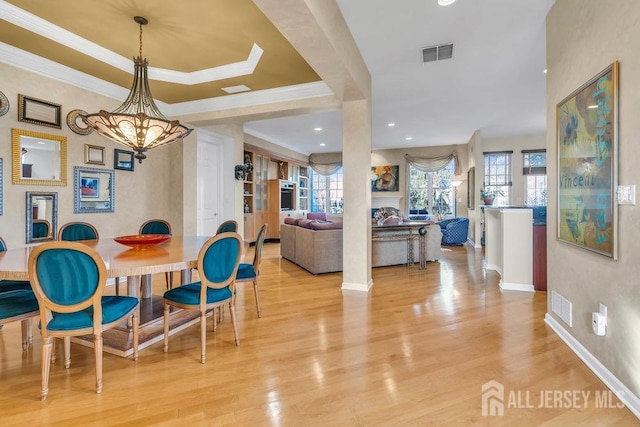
[
  {"x": 623, "y": 393},
  {"x": 506, "y": 286},
  {"x": 361, "y": 287}
]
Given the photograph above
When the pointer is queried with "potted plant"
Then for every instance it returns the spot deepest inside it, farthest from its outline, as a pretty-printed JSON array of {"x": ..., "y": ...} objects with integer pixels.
[{"x": 489, "y": 195}]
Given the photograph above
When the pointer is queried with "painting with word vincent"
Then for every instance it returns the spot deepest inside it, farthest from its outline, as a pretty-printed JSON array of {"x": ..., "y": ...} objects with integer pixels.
[{"x": 587, "y": 160}]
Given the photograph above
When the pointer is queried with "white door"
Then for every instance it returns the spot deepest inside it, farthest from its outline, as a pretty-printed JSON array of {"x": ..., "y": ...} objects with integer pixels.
[{"x": 209, "y": 185}]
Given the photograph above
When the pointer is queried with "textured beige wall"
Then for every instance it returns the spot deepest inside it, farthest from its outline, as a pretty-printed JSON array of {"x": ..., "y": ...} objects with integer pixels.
[
  {"x": 140, "y": 195},
  {"x": 583, "y": 38}
]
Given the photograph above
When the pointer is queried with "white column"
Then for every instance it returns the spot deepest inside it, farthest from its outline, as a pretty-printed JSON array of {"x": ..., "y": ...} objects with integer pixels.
[{"x": 356, "y": 158}]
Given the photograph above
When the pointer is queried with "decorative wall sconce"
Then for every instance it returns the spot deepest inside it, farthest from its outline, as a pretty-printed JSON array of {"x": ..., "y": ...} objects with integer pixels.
[{"x": 243, "y": 170}]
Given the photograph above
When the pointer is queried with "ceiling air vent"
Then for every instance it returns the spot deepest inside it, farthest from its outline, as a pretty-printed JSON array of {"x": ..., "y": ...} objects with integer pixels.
[{"x": 437, "y": 53}]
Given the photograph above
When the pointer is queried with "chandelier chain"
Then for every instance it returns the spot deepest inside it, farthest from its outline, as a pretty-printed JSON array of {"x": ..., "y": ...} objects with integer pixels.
[{"x": 140, "y": 40}]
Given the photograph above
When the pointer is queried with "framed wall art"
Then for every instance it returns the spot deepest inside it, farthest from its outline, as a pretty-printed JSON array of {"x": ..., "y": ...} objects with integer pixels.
[
  {"x": 123, "y": 160},
  {"x": 587, "y": 140},
  {"x": 385, "y": 178},
  {"x": 471, "y": 188},
  {"x": 93, "y": 154},
  {"x": 38, "y": 112}
]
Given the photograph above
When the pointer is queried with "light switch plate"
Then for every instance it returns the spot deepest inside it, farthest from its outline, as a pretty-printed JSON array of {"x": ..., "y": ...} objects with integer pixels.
[{"x": 626, "y": 194}]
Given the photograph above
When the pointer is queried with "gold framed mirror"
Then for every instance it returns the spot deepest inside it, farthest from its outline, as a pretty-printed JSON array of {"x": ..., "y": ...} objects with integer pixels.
[{"x": 38, "y": 158}]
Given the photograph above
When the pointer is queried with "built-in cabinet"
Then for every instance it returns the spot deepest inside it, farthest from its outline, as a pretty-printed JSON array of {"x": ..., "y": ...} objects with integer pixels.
[
  {"x": 255, "y": 195},
  {"x": 303, "y": 188},
  {"x": 262, "y": 203},
  {"x": 282, "y": 194}
]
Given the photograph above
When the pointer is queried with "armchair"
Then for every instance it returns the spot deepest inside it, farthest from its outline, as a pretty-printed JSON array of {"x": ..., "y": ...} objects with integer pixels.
[{"x": 454, "y": 231}]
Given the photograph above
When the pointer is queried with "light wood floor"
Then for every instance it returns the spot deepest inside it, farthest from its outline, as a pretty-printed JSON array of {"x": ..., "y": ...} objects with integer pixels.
[{"x": 416, "y": 350}]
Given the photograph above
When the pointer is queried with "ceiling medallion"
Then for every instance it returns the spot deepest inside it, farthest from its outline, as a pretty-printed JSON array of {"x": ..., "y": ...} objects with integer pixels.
[
  {"x": 72, "y": 122},
  {"x": 137, "y": 123},
  {"x": 4, "y": 104}
]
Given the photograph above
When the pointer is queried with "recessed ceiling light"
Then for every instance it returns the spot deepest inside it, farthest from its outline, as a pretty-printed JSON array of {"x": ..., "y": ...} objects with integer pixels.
[
  {"x": 317, "y": 129},
  {"x": 322, "y": 144},
  {"x": 445, "y": 2},
  {"x": 409, "y": 138},
  {"x": 544, "y": 71},
  {"x": 391, "y": 124}
]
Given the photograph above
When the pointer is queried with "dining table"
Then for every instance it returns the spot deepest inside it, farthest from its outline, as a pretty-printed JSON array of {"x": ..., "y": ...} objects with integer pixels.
[{"x": 137, "y": 264}]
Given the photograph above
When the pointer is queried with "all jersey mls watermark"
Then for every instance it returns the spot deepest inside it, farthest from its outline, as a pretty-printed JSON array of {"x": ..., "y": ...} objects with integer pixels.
[{"x": 495, "y": 399}]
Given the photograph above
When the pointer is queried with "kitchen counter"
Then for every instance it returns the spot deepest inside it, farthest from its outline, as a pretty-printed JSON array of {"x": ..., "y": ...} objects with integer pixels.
[{"x": 509, "y": 245}]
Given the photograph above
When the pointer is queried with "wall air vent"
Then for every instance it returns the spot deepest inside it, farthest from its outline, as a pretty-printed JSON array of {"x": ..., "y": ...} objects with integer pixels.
[{"x": 437, "y": 53}]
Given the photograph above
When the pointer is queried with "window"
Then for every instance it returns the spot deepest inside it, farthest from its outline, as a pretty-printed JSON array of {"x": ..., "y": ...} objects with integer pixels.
[
  {"x": 326, "y": 192},
  {"x": 432, "y": 192},
  {"x": 535, "y": 173},
  {"x": 497, "y": 175}
]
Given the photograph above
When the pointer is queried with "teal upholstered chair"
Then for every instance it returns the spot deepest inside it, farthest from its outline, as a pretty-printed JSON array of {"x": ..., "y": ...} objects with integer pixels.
[
  {"x": 158, "y": 226},
  {"x": 251, "y": 272},
  {"x": 227, "y": 226},
  {"x": 16, "y": 306},
  {"x": 155, "y": 226},
  {"x": 68, "y": 280},
  {"x": 19, "y": 305},
  {"x": 218, "y": 262},
  {"x": 74, "y": 231}
]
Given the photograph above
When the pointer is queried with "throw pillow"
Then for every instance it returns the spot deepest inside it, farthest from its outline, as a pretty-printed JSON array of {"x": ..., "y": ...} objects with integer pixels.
[
  {"x": 322, "y": 216},
  {"x": 317, "y": 225}
]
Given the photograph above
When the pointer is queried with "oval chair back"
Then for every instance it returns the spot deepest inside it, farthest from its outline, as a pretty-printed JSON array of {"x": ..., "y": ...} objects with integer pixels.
[
  {"x": 68, "y": 279},
  {"x": 250, "y": 272},
  {"x": 257, "y": 256},
  {"x": 73, "y": 231},
  {"x": 155, "y": 226},
  {"x": 227, "y": 226}
]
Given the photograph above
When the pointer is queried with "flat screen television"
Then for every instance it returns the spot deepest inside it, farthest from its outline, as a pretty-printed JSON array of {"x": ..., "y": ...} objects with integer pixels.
[{"x": 286, "y": 199}]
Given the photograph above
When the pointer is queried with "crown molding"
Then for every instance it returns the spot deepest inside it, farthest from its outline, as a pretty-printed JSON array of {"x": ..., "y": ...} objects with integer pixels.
[{"x": 47, "y": 68}]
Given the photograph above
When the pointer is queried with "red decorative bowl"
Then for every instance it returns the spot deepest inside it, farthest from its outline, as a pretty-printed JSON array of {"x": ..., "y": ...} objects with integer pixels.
[{"x": 142, "y": 240}]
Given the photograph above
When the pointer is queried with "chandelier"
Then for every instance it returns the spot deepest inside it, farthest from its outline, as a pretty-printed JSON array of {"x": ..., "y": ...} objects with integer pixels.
[{"x": 137, "y": 123}]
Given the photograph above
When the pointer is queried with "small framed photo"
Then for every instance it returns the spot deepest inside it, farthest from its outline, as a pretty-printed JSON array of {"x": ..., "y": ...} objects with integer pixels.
[
  {"x": 89, "y": 187},
  {"x": 39, "y": 112},
  {"x": 123, "y": 160},
  {"x": 93, "y": 155}
]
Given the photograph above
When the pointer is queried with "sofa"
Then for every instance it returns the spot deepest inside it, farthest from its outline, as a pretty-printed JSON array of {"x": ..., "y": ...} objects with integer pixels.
[
  {"x": 316, "y": 245},
  {"x": 454, "y": 231}
]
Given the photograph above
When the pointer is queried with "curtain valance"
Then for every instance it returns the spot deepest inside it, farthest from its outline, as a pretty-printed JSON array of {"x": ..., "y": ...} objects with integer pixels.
[
  {"x": 434, "y": 164},
  {"x": 325, "y": 163}
]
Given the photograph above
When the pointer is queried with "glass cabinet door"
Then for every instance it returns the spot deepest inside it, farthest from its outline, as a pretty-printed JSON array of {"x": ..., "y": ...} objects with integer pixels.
[{"x": 261, "y": 181}]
